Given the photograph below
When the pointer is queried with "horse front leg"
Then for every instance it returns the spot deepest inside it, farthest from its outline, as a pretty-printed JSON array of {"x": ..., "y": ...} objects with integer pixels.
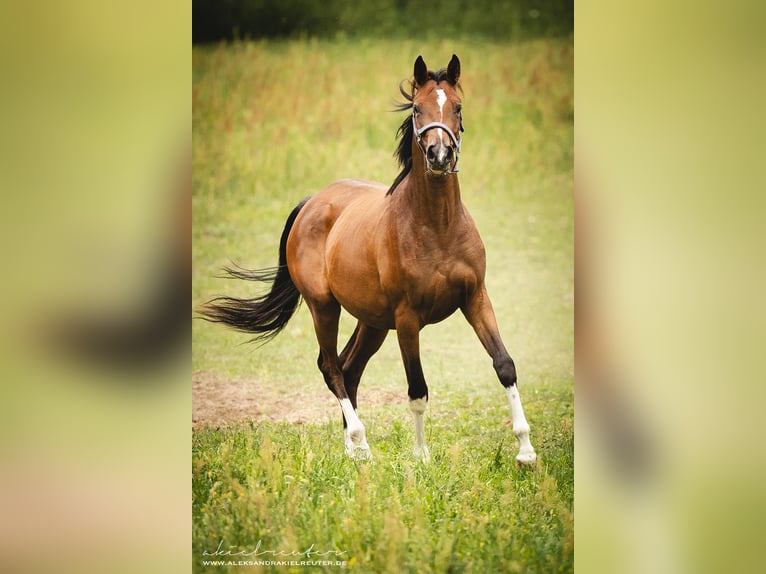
[
  {"x": 408, "y": 334},
  {"x": 479, "y": 313}
]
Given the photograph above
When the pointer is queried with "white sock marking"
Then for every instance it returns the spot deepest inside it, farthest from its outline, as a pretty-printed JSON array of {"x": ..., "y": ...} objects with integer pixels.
[
  {"x": 520, "y": 427},
  {"x": 418, "y": 408},
  {"x": 355, "y": 437}
]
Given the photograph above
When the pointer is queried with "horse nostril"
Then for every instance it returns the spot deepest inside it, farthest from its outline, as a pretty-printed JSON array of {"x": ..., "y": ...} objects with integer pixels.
[
  {"x": 448, "y": 154},
  {"x": 431, "y": 153}
]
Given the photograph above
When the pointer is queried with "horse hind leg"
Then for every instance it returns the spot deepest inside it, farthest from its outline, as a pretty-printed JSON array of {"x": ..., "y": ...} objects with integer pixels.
[
  {"x": 363, "y": 344},
  {"x": 326, "y": 317}
]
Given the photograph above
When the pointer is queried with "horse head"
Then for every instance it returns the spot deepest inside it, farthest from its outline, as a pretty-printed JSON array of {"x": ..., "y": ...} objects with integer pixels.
[{"x": 436, "y": 115}]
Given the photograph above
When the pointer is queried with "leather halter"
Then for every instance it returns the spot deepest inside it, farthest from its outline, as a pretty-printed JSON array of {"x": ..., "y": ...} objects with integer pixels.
[{"x": 454, "y": 139}]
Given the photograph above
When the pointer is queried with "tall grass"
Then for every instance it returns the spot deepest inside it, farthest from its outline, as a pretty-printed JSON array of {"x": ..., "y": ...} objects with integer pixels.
[
  {"x": 469, "y": 510},
  {"x": 276, "y": 121}
]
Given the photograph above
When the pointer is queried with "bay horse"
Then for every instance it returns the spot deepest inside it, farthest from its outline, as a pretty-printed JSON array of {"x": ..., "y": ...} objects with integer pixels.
[{"x": 399, "y": 257}]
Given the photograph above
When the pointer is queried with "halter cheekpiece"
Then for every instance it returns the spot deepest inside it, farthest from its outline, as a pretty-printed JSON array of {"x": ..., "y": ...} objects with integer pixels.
[{"x": 454, "y": 139}]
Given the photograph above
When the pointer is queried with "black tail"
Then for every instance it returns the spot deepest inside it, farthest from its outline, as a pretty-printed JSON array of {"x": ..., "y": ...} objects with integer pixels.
[{"x": 268, "y": 314}]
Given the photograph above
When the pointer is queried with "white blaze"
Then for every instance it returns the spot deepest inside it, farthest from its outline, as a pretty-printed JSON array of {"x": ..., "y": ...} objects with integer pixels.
[{"x": 441, "y": 99}]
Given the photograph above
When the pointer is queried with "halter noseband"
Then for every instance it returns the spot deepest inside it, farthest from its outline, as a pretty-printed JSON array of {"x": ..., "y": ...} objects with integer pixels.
[{"x": 455, "y": 141}]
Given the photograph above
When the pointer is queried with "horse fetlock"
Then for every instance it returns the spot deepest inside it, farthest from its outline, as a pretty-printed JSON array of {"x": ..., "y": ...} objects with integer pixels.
[
  {"x": 356, "y": 444},
  {"x": 362, "y": 453},
  {"x": 356, "y": 434},
  {"x": 421, "y": 453},
  {"x": 527, "y": 453},
  {"x": 418, "y": 406},
  {"x": 521, "y": 429}
]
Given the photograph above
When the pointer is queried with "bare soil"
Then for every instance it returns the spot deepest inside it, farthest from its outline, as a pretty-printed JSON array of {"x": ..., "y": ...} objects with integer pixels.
[{"x": 219, "y": 401}]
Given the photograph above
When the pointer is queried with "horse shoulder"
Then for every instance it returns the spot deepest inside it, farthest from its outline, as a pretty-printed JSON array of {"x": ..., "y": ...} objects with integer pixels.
[{"x": 468, "y": 247}]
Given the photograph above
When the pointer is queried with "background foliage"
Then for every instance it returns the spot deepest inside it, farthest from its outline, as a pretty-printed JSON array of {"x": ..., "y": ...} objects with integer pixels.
[{"x": 495, "y": 19}]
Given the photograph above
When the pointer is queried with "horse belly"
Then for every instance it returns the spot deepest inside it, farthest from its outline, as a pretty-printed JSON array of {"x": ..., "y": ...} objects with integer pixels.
[{"x": 370, "y": 311}]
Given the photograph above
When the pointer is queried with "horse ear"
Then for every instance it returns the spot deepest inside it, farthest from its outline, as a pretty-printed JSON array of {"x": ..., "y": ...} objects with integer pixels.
[
  {"x": 421, "y": 72},
  {"x": 453, "y": 70}
]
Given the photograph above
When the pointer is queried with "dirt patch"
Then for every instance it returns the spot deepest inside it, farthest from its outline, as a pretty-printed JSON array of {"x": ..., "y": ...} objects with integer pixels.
[{"x": 218, "y": 401}]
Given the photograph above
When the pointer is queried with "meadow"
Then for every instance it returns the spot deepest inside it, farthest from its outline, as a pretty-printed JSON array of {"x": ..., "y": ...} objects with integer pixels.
[{"x": 275, "y": 121}]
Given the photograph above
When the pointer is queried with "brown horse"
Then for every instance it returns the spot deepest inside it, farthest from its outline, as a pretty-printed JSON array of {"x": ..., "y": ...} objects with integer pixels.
[{"x": 395, "y": 258}]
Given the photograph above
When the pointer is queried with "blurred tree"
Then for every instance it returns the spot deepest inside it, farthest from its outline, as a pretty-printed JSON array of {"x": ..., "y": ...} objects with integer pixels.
[{"x": 216, "y": 20}]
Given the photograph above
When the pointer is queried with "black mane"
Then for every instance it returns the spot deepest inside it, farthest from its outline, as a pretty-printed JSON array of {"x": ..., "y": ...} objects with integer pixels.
[{"x": 403, "y": 153}]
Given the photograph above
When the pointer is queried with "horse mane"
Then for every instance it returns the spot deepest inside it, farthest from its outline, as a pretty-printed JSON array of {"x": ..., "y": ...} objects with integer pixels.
[{"x": 403, "y": 153}]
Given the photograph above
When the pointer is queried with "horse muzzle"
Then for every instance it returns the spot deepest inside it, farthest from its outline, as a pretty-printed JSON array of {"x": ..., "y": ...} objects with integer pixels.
[{"x": 439, "y": 158}]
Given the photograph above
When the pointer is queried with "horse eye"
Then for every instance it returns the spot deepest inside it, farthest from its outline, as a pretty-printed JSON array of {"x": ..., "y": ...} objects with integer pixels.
[
  {"x": 458, "y": 109},
  {"x": 415, "y": 109}
]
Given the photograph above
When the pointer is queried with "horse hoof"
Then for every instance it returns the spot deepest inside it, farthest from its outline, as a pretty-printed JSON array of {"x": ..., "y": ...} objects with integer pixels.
[
  {"x": 360, "y": 453},
  {"x": 422, "y": 454},
  {"x": 526, "y": 458}
]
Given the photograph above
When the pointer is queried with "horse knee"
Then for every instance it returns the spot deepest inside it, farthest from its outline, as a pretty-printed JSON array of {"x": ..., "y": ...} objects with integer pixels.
[{"x": 506, "y": 371}]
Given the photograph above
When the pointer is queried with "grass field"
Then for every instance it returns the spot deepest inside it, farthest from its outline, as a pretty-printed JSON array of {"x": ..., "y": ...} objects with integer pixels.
[{"x": 274, "y": 122}]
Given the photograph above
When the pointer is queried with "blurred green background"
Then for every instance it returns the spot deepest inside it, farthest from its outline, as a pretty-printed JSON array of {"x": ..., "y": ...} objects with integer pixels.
[{"x": 500, "y": 20}]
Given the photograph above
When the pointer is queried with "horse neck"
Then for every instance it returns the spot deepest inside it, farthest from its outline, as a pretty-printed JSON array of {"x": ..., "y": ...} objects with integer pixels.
[{"x": 433, "y": 201}]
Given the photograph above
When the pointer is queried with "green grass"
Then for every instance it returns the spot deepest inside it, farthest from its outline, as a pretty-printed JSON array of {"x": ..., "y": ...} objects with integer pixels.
[
  {"x": 276, "y": 121},
  {"x": 470, "y": 509}
]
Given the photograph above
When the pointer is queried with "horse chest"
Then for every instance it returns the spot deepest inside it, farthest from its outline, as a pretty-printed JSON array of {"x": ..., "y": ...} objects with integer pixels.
[{"x": 435, "y": 286}]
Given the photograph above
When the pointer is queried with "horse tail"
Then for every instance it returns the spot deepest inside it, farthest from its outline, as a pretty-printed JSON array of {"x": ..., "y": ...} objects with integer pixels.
[{"x": 265, "y": 315}]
